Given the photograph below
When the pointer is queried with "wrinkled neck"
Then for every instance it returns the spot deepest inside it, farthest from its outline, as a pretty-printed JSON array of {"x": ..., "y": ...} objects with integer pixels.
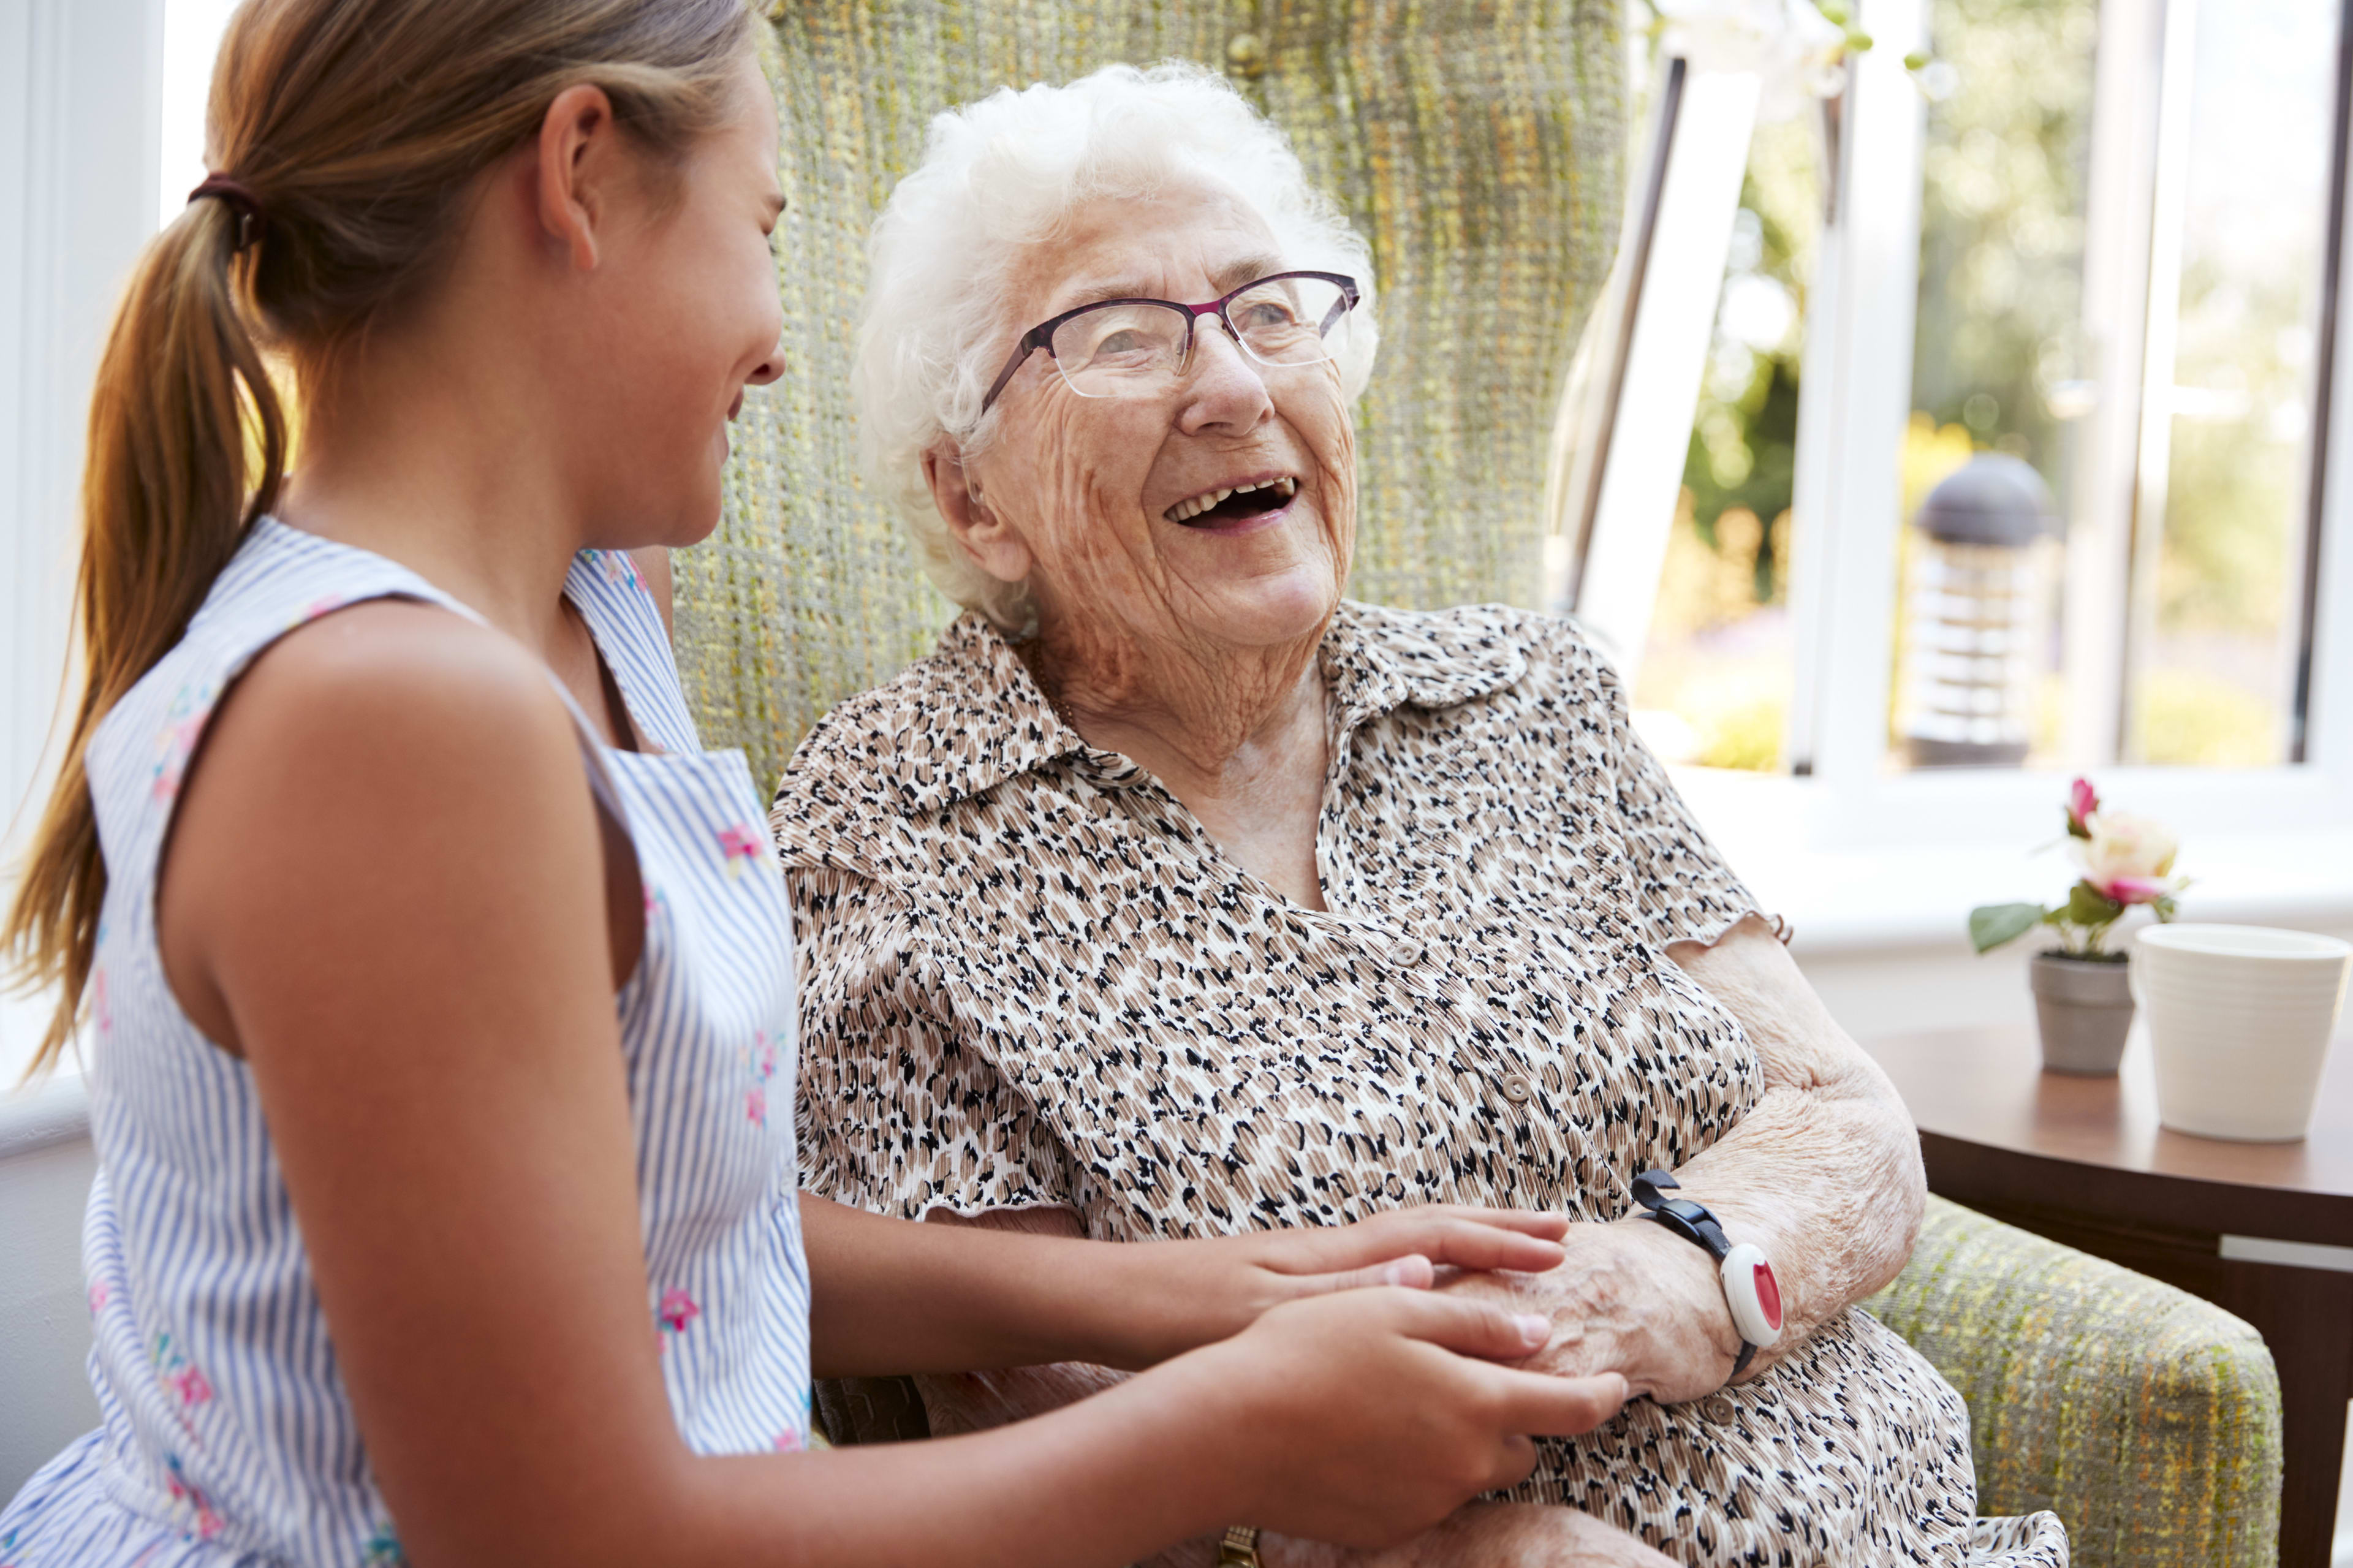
[{"x": 1200, "y": 715}]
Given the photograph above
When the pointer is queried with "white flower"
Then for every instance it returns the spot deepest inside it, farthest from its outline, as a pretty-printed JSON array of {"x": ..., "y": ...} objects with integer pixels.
[
  {"x": 1790, "y": 44},
  {"x": 2129, "y": 858}
]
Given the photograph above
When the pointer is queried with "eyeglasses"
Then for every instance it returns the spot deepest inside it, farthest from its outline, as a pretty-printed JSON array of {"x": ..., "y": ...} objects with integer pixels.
[{"x": 1142, "y": 348}]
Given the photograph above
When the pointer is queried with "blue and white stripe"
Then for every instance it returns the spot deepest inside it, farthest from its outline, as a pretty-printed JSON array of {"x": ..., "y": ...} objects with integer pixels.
[{"x": 228, "y": 1438}]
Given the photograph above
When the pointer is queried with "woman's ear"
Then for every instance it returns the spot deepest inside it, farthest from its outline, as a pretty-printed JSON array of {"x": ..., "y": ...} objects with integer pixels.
[
  {"x": 986, "y": 537},
  {"x": 579, "y": 164}
]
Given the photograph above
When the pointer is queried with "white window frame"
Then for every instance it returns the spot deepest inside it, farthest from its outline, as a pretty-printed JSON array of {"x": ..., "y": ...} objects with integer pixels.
[{"x": 1857, "y": 376}]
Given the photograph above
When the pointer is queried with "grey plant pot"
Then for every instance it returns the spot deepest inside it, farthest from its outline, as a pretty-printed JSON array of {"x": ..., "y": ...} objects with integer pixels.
[{"x": 2084, "y": 1008}]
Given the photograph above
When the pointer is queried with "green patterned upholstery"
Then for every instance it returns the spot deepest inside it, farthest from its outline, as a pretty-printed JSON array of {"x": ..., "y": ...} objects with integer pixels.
[
  {"x": 1477, "y": 143},
  {"x": 2146, "y": 1419}
]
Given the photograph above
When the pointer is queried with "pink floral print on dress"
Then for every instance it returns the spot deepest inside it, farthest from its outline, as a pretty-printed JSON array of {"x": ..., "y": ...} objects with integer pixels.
[
  {"x": 190, "y": 1504},
  {"x": 190, "y": 1383},
  {"x": 741, "y": 846},
  {"x": 761, "y": 1060},
  {"x": 677, "y": 1310},
  {"x": 176, "y": 741}
]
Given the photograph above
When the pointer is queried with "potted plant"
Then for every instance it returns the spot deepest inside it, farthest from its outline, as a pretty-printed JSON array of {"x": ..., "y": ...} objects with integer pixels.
[{"x": 2082, "y": 1000}]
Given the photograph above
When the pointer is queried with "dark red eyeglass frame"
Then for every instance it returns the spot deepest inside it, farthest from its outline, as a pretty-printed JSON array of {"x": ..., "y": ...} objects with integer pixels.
[{"x": 1041, "y": 336}]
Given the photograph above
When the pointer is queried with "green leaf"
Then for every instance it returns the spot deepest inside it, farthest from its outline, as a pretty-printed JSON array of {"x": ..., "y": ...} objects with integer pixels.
[
  {"x": 2090, "y": 908},
  {"x": 1990, "y": 925}
]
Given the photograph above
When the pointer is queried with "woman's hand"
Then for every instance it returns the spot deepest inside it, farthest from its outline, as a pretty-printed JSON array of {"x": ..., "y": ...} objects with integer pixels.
[
  {"x": 1629, "y": 1298},
  {"x": 1185, "y": 1294},
  {"x": 1363, "y": 1417}
]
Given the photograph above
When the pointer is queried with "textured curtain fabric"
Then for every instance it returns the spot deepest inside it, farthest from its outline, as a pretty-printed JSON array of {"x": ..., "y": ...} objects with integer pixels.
[{"x": 1477, "y": 143}]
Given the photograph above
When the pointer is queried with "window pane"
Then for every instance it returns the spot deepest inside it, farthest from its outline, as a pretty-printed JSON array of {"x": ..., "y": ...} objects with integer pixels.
[
  {"x": 1994, "y": 370},
  {"x": 2216, "y": 588},
  {"x": 1718, "y": 667}
]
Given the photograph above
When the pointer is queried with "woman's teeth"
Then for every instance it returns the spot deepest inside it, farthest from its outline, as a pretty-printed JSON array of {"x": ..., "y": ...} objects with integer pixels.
[{"x": 1184, "y": 511}]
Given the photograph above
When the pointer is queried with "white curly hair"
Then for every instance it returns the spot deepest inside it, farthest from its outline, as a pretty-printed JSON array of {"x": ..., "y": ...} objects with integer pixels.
[{"x": 1006, "y": 173}]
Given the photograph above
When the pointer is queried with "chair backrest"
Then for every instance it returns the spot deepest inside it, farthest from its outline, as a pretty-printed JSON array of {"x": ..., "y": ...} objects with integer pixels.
[{"x": 1477, "y": 145}]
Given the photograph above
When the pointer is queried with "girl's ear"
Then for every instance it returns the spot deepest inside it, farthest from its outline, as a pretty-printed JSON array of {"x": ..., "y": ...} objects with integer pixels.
[
  {"x": 578, "y": 168},
  {"x": 992, "y": 542}
]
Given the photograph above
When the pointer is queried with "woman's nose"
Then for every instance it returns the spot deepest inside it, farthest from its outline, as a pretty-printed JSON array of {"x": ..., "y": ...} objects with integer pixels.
[
  {"x": 1225, "y": 388},
  {"x": 770, "y": 368}
]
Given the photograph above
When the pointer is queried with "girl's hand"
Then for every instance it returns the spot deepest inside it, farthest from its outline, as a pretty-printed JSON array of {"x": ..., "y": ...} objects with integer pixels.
[
  {"x": 1185, "y": 1294},
  {"x": 1363, "y": 1417}
]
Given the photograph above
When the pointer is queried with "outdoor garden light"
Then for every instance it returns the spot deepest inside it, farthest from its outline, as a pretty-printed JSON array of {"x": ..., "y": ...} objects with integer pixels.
[{"x": 1975, "y": 612}]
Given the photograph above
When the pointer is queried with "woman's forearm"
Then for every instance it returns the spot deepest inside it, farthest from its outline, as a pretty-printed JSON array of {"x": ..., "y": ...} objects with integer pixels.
[{"x": 1824, "y": 1173}]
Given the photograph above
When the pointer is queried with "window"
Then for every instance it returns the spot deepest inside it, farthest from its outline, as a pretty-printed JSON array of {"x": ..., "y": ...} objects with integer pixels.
[{"x": 2093, "y": 244}]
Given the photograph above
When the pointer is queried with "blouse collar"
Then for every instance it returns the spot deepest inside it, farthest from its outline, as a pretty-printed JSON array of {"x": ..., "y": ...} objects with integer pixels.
[{"x": 975, "y": 716}]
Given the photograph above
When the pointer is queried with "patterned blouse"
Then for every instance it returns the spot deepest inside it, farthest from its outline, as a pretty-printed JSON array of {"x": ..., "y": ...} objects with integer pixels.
[{"x": 1030, "y": 978}]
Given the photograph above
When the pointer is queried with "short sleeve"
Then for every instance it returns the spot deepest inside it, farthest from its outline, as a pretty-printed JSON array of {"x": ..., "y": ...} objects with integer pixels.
[
  {"x": 896, "y": 1114},
  {"x": 1684, "y": 890}
]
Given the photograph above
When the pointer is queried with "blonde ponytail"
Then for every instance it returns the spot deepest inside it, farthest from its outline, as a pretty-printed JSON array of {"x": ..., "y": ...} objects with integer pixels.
[{"x": 346, "y": 131}]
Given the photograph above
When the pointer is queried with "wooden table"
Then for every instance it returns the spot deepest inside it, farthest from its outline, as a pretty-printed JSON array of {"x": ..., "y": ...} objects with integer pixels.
[{"x": 2084, "y": 1162}]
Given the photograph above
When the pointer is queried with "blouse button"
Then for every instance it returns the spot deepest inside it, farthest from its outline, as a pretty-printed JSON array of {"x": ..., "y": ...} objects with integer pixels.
[
  {"x": 1406, "y": 952},
  {"x": 1517, "y": 1089},
  {"x": 1718, "y": 1408}
]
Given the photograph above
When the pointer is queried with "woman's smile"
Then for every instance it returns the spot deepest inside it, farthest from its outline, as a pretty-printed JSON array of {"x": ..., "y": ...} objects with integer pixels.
[{"x": 1252, "y": 505}]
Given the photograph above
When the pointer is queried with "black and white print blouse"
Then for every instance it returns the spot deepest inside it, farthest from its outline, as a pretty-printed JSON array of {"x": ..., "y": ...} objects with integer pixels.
[{"x": 1030, "y": 978}]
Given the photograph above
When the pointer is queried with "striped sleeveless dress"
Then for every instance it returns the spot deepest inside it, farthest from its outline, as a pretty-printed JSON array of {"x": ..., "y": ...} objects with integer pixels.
[{"x": 228, "y": 1438}]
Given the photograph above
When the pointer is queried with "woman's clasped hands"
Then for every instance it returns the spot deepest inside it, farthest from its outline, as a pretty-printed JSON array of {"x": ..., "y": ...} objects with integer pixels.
[{"x": 1361, "y": 1406}]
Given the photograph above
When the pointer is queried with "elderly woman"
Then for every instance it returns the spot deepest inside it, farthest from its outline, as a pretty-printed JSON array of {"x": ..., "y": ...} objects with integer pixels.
[{"x": 1175, "y": 894}]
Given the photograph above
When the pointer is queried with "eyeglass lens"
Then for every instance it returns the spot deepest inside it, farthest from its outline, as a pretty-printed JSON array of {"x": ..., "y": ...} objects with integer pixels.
[{"x": 1127, "y": 350}]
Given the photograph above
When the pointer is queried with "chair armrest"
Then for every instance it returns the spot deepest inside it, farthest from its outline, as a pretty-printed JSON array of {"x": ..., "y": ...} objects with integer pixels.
[{"x": 2146, "y": 1419}]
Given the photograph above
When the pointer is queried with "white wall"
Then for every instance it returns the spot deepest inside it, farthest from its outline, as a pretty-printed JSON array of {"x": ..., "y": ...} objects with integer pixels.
[
  {"x": 79, "y": 149},
  {"x": 46, "y": 1166}
]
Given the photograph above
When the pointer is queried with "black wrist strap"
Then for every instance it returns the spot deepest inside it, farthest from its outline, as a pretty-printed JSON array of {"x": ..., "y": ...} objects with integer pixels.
[{"x": 1696, "y": 1225}]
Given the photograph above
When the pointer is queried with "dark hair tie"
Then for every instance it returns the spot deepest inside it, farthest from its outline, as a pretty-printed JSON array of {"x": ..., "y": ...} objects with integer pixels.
[{"x": 250, "y": 214}]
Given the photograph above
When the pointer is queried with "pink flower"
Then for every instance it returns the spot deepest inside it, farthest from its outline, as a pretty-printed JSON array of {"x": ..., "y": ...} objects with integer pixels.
[
  {"x": 677, "y": 1310},
  {"x": 99, "y": 1293},
  {"x": 755, "y": 1105},
  {"x": 2140, "y": 889},
  {"x": 2082, "y": 801},
  {"x": 190, "y": 1383},
  {"x": 788, "y": 1443}
]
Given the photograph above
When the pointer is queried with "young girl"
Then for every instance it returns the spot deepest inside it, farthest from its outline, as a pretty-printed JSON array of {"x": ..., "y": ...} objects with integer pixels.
[{"x": 440, "y": 984}]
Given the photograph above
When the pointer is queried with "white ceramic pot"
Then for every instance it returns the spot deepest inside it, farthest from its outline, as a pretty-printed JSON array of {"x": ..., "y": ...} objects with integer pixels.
[{"x": 2239, "y": 1019}]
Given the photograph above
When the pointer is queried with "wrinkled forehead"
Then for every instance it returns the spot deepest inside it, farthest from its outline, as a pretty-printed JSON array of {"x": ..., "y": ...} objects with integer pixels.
[{"x": 1188, "y": 240}]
